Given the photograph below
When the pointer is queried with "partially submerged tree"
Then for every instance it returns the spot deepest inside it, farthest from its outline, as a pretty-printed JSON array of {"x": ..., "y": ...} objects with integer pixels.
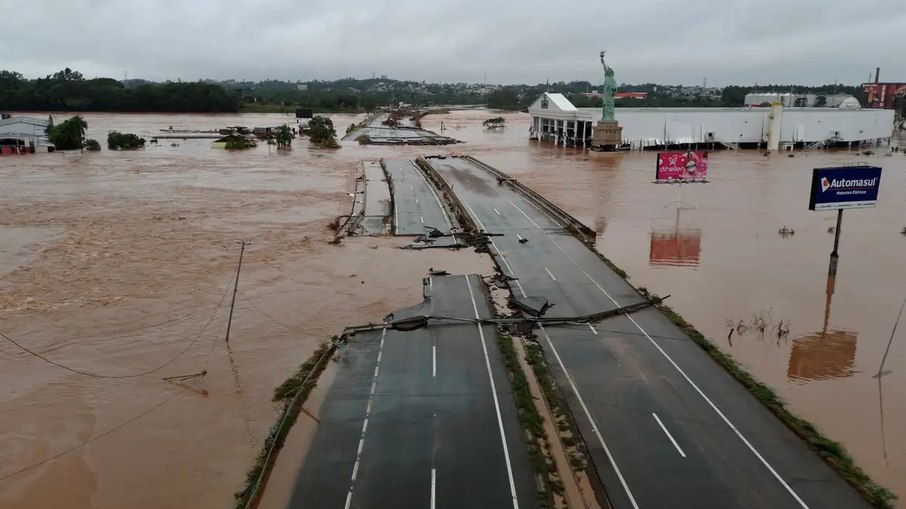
[
  {"x": 92, "y": 145},
  {"x": 68, "y": 135},
  {"x": 238, "y": 142},
  {"x": 284, "y": 137},
  {"x": 124, "y": 141},
  {"x": 494, "y": 123},
  {"x": 321, "y": 132}
]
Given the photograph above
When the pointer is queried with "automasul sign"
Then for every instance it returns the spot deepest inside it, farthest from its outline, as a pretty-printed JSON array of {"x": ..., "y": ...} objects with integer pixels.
[{"x": 847, "y": 187}]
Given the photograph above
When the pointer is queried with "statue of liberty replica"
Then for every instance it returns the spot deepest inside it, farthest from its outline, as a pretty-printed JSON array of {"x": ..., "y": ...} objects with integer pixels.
[{"x": 608, "y": 135}]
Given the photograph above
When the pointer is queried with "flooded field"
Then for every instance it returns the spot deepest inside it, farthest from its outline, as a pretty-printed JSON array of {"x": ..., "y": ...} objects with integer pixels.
[{"x": 118, "y": 265}]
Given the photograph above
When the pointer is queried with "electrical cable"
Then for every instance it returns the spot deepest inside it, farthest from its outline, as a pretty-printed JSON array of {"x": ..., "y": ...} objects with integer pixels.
[
  {"x": 98, "y": 437},
  {"x": 265, "y": 313},
  {"x": 134, "y": 375}
]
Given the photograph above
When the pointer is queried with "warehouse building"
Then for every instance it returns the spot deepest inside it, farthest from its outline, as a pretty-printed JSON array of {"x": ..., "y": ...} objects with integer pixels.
[{"x": 555, "y": 118}]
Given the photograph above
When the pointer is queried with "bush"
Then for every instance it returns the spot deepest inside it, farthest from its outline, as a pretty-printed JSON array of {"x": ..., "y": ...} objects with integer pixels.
[
  {"x": 239, "y": 143},
  {"x": 92, "y": 145},
  {"x": 124, "y": 141}
]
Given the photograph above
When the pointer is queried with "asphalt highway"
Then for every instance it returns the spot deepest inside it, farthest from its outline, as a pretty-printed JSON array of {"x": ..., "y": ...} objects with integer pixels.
[
  {"x": 666, "y": 426},
  {"x": 416, "y": 205},
  {"x": 421, "y": 419}
]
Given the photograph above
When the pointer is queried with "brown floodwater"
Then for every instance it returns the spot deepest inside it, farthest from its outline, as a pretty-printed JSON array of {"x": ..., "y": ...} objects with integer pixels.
[{"x": 116, "y": 263}]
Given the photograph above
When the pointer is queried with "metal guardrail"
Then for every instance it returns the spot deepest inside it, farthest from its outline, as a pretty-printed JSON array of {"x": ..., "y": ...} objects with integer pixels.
[{"x": 276, "y": 444}]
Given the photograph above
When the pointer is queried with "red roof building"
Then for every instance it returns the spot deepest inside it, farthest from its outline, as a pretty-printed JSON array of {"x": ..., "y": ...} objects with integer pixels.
[{"x": 632, "y": 95}]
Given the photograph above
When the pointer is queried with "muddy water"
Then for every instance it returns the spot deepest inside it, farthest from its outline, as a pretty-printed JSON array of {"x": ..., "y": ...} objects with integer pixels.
[{"x": 117, "y": 263}]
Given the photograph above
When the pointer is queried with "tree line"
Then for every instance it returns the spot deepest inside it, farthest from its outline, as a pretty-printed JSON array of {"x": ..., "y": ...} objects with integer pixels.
[{"x": 68, "y": 90}]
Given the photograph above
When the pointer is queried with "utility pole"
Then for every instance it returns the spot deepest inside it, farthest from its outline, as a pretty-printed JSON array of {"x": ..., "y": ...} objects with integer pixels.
[{"x": 242, "y": 243}]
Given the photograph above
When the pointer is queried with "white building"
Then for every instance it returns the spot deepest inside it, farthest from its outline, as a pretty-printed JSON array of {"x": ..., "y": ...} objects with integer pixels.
[
  {"x": 800, "y": 100},
  {"x": 554, "y": 117},
  {"x": 28, "y": 132}
]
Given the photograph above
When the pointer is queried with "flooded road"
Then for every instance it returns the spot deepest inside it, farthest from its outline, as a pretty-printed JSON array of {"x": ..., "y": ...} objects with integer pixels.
[{"x": 119, "y": 263}]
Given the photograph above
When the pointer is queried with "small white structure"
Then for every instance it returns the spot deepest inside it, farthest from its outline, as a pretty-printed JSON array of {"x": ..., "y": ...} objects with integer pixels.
[
  {"x": 554, "y": 118},
  {"x": 25, "y": 131}
]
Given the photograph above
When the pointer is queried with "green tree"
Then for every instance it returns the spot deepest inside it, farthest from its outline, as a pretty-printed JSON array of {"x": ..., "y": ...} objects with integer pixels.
[
  {"x": 68, "y": 135},
  {"x": 284, "y": 137},
  {"x": 504, "y": 98},
  {"x": 321, "y": 132},
  {"x": 820, "y": 101}
]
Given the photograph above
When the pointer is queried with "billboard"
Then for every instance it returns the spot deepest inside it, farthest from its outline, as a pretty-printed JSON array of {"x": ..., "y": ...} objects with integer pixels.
[
  {"x": 846, "y": 187},
  {"x": 681, "y": 166}
]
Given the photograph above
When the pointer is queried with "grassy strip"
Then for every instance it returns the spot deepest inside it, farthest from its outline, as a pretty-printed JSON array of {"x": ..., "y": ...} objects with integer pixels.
[
  {"x": 532, "y": 422},
  {"x": 565, "y": 423},
  {"x": 832, "y": 452},
  {"x": 293, "y": 393}
]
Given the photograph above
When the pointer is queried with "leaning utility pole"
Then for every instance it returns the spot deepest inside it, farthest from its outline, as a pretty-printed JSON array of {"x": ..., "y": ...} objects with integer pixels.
[{"x": 243, "y": 243}]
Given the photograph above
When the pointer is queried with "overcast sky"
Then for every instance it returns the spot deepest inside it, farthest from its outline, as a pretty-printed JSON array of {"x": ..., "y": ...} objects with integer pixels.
[{"x": 511, "y": 41}]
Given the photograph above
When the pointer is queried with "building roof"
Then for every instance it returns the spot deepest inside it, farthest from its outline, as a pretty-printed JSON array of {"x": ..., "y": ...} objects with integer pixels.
[
  {"x": 561, "y": 101},
  {"x": 39, "y": 122}
]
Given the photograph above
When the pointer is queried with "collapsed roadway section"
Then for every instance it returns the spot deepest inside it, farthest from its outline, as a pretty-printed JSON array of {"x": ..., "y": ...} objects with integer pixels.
[{"x": 421, "y": 418}]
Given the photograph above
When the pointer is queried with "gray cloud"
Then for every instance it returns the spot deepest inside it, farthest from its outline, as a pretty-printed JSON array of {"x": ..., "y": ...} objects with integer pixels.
[{"x": 664, "y": 41}]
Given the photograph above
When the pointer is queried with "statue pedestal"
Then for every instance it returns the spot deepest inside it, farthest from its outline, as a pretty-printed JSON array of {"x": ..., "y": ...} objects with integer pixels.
[{"x": 608, "y": 134}]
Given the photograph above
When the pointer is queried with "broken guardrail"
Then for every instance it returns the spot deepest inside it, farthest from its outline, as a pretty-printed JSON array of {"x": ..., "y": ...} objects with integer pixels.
[{"x": 415, "y": 322}]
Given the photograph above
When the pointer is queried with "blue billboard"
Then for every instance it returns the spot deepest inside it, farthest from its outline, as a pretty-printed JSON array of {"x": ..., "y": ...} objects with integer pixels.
[{"x": 845, "y": 187}]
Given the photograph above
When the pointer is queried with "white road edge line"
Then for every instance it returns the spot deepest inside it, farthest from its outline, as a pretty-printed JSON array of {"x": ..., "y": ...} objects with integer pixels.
[
  {"x": 396, "y": 216},
  {"x": 592, "y": 327},
  {"x": 499, "y": 254},
  {"x": 422, "y": 218},
  {"x": 594, "y": 425},
  {"x": 527, "y": 216},
  {"x": 672, "y": 440},
  {"x": 436, "y": 198},
  {"x": 416, "y": 201},
  {"x": 495, "y": 210},
  {"x": 487, "y": 361},
  {"x": 433, "y": 487},
  {"x": 701, "y": 393},
  {"x": 549, "y": 273},
  {"x": 434, "y": 360},
  {"x": 358, "y": 454}
]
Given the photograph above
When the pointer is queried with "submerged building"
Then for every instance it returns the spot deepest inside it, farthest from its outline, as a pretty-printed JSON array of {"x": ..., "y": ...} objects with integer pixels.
[
  {"x": 23, "y": 135},
  {"x": 555, "y": 118}
]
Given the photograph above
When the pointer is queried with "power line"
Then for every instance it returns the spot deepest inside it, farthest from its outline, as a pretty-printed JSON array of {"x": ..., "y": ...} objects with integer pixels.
[
  {"x": 265, "y": 313},
  {"x": 134, "y": 375},
  {"x": 98, "y": 437}
]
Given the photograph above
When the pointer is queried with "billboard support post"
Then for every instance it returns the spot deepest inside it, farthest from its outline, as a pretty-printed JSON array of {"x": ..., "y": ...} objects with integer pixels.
[{"x": 834, "y": 256}]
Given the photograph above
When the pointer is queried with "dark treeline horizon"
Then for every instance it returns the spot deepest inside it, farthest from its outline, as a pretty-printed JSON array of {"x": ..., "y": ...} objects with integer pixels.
[{"x": 69, "y": 90}]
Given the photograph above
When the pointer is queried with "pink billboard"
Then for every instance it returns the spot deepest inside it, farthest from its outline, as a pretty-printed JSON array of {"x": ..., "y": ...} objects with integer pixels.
[{"x": 682, "y": 166}]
